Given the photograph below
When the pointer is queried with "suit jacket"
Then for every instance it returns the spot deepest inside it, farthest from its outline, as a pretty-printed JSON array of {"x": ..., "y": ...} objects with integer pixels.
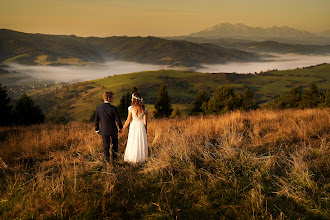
[{"x": 107, "y": 114}]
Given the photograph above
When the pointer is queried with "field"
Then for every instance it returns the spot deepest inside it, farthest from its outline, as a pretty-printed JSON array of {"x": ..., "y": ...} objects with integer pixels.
[
  {"x": 79, "y": 100},
  {"x": 254, "y": 165}
]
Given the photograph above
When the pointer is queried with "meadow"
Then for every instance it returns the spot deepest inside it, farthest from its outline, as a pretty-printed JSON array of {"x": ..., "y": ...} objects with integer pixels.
[
  {"x": 261, "y": 164},
  {"x": 79, "y": 100}
]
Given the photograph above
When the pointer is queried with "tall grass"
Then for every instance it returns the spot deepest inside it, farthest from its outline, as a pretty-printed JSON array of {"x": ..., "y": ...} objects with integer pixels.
[{"x": 259, "y": 164}]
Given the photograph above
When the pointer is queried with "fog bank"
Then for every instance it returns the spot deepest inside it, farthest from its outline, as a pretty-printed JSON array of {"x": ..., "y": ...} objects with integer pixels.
[
  {"x": 279, "y": 61},
  {"x": 71, "y": 74}
]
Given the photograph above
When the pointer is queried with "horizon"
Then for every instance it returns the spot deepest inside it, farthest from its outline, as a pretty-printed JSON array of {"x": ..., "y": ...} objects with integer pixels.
[
  {"x": 101, "y": 18},
  {"x": 68, "y": 34}
]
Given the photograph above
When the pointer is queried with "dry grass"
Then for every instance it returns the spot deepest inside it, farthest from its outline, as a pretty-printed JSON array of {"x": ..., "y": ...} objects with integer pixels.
[{"x": 260, "y": 164}]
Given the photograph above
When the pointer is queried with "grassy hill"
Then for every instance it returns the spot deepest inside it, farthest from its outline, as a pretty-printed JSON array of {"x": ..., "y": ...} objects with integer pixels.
[
  {"x": 80, "y": 99},
  {"x": 261, "y": 47},
  {"x": 44, "y": 49},
  {"x": 255, "y": 165}
]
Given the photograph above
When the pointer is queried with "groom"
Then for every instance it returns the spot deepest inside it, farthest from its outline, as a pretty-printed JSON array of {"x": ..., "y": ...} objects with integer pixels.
[{"x": 107, "y": 114}]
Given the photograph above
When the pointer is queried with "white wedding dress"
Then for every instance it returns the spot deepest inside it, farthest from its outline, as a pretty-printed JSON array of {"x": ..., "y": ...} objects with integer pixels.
[{"x": 137, "y": 146}]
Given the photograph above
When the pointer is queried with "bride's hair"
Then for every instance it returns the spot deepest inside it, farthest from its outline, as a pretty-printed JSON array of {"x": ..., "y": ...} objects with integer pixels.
[{"x": 137, "y": 100}]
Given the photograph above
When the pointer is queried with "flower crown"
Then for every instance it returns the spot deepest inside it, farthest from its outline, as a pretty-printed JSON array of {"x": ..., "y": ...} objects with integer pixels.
[{"x": 134, "y": 97}]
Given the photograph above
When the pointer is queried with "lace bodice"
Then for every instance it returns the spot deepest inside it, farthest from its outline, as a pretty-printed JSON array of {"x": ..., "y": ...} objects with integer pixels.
[{"x": 134, "y": 114}]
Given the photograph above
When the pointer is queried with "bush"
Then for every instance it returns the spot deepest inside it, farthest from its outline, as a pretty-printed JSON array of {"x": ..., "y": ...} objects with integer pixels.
[
  {"x": 6, "y": 115},
  {"x": 62, "y": 120},
  {"x": 27, "y": 112}
]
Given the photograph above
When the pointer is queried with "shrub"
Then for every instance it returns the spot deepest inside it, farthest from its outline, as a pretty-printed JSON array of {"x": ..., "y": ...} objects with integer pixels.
[{"x": 27, "y": 112}]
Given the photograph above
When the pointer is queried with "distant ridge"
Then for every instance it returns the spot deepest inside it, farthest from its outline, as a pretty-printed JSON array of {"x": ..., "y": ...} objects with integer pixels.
[
  {"x": 45, "y": 49},
  {"x": 283, "y": 34}
]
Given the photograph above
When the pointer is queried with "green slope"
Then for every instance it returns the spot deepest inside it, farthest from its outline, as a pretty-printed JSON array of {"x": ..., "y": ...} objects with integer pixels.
[{"x": 80, "y": 99}]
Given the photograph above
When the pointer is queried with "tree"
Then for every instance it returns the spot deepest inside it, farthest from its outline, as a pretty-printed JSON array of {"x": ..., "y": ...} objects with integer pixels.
[
  {"x": 310, "y": 98},
  {"x": 226, "y": 99},
  {"x": 249, "y": 101},
  {"x": 27, "y": 112},
  {"x": 200, "y": 98},
  {"x": 5, "y": 107},
  {"x": 163, "y": 105},
  {"x": 223, "y": 99},
  {"x": 125, "y": 102},
  {"x": 324, "y": 99},
  {"x": 292, "y": 99}
]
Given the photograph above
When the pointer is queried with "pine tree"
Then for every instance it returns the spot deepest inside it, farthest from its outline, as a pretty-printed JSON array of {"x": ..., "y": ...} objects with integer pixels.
[
  {"x": 123, "y": 105},
  {"x": 163, "y": 105},
  {"x": 200, "y": 98},
  {"x": 27, "y": 112},
  {"x": 5, "y": 107},
  {"x": 125, "y": 102},
  {"x": 249, "y": 100}
]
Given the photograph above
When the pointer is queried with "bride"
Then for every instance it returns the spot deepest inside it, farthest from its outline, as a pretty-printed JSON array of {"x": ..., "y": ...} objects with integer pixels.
[{"x": 137, "y": 146}]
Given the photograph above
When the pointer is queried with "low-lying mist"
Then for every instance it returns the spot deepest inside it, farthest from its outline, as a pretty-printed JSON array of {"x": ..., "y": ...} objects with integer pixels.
[
  {"x": 71, "y": 74},
  {"x": 278, "y": 61}
]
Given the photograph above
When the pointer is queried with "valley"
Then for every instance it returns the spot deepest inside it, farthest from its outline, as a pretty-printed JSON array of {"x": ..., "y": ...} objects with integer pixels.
[{"x": 78, "y": 100}]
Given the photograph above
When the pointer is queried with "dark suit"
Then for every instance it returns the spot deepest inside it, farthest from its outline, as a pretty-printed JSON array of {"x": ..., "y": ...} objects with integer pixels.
[{"x": 107, "y": 114}]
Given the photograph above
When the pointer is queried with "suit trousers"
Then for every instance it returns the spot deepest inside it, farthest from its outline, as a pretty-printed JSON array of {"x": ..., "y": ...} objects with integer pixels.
[{"x": 106, "y": 146}]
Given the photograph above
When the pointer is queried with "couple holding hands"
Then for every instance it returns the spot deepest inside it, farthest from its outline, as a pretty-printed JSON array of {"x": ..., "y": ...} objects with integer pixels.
[{"x": 137, "y": 147}]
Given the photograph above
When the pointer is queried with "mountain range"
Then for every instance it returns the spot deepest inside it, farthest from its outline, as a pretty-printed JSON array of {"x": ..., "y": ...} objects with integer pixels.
[
  {"x": 45, "y": 49},
  {"x": 283, "y": 34}
]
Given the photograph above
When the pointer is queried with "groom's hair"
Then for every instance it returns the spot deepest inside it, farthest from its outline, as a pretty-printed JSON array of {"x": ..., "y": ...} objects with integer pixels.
[{"x": 107, "y": 95}]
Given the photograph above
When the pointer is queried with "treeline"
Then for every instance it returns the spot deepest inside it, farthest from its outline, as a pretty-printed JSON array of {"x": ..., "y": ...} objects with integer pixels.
[
  {"x": 163, "y": 104},
  {"x": 26, "y": 112},
  {"x": 224, "y": 99},
  {"x": 297, "y": 98}
]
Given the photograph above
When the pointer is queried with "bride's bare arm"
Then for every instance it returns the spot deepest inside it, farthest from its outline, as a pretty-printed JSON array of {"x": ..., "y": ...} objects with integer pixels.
[
  {"x": 128, "y": 120},
  {"x": 145, "y": 119}
]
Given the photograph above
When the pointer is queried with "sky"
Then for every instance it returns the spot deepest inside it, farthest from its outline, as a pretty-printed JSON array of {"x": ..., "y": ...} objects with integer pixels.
[{"x": 103, "y": 18}]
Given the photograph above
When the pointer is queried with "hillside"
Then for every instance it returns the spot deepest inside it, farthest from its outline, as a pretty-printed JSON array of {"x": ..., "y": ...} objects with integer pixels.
[
  {"x": 41, "y": 49},
  {"x": 283, "y": 34},
  {"x": 255, "y": 165},
  {"x": 262, "y": 47},
  {"x": 80, "y": 99}
]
